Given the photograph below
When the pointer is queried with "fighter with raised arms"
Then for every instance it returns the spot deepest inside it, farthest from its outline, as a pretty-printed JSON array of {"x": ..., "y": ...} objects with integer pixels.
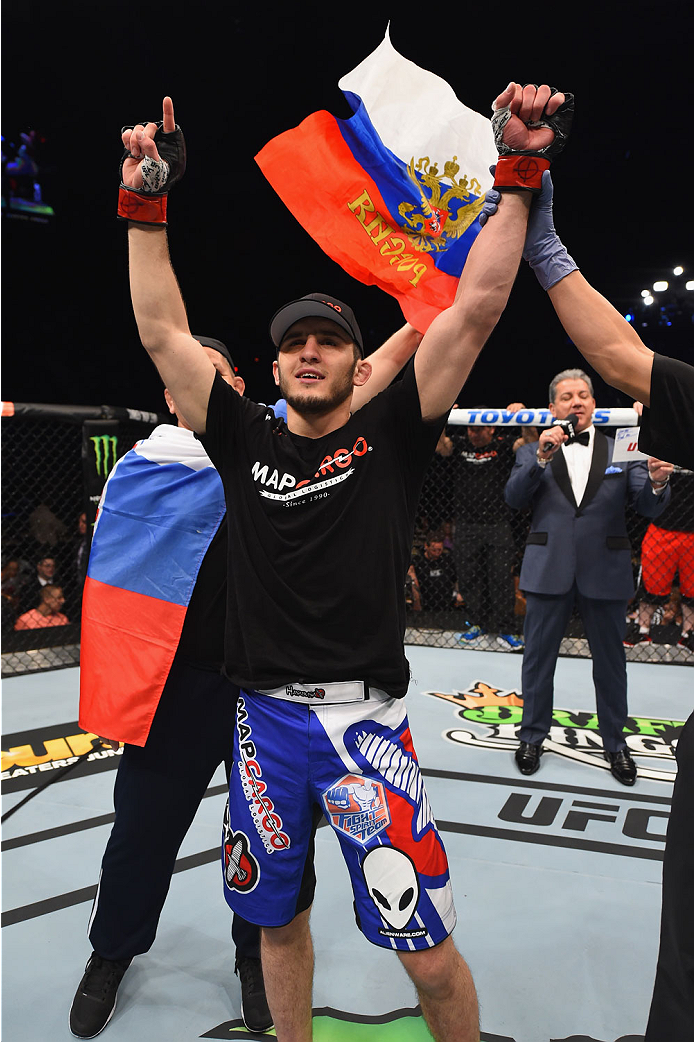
[{"x": 323, "y": 507}]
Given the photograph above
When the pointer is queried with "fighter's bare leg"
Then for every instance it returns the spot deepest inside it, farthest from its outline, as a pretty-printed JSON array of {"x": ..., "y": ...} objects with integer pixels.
[
  {"x": 287, "y": 958},
  {"x": 446, "y": 992}
]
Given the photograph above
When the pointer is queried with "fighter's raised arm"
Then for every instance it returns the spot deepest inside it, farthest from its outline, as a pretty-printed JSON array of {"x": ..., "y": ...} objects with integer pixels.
[
  {"x": 153, "y": 162},
  {"x": 530, "y": 127},
  {"x": 601, "y": 334}
]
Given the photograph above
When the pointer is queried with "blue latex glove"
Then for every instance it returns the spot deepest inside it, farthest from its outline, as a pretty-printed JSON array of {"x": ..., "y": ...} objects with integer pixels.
[
  {"x": 491, "y": 201},
  {"x": 544, "y": 251},
  {"x": 491, "y": 204}
]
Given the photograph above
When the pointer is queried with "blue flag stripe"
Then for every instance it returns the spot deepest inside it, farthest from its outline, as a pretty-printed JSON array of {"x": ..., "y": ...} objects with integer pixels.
[
  {"x": 153, "y": 534},
  {"x": 390, "y": 174}
]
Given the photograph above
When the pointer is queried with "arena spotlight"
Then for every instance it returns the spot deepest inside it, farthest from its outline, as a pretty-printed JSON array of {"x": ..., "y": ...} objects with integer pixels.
[
  {"x": 660, "y": 287},
  {"x": 689, "y": 285},
  {"x": 645, "y": 293},
  {"x": 679, "y": 270},
  {"x": 648, "y": 299}
]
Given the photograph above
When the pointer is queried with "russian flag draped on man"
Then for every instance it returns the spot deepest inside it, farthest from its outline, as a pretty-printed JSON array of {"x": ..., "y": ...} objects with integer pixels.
[
  {"x": 393, "y": 193},
  {"x": 161, "y": 506}
]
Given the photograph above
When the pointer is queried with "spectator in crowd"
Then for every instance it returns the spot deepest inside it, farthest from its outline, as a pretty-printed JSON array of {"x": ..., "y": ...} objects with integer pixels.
[
  {"x": 10, "y": 579},
  {"x": 483, "y": 544},
  {"x": 47, "y": 613},
  {"x": 668, "y": 549},
  {"x": 44, "y": 574},
  {"x": 578, "y": 551},
  {"x": 434, "y": 583}
]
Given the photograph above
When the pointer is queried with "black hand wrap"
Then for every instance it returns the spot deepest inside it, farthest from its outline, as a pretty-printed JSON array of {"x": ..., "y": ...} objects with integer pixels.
[
  {"x": 522, "y": 169},
  {"x": 145, "y": 205}
]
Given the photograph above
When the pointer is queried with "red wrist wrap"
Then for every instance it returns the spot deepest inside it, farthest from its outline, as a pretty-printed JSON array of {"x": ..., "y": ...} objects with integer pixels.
[
  {"x": 145, "y": 209},
  {"x": 518, "y": 173}
]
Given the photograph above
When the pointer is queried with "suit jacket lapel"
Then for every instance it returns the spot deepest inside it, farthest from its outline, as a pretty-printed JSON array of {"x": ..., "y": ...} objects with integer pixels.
[
  {"x": 598, "y": 466},
  {"x": 560, "y": 472}
]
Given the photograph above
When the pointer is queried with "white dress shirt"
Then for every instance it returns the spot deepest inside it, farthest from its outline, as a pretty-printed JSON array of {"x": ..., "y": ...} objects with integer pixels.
[{"x": 578, "y": 459}]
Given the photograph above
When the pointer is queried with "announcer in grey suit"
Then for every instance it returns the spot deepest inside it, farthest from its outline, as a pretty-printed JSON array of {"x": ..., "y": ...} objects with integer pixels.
[{"x": 578, "y": 552}]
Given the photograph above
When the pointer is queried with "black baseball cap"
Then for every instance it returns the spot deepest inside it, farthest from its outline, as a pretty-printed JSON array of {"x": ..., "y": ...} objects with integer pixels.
[
  {"x": 216, "y": 345},
  {"x": 315, "y": 305}
]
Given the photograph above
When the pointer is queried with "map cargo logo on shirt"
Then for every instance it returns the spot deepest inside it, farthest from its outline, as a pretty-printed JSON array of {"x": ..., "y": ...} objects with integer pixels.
[
  {"x": 493, "y": 718},
  {"x": 333, "y": 470},
  {"x": 357, "y": 806}
]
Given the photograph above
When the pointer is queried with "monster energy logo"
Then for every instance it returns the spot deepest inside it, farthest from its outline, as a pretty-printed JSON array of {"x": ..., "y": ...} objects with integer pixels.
[{"x": 106, "y": 452}]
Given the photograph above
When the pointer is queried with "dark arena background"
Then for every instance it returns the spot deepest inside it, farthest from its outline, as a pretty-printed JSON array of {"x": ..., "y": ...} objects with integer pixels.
[{"x": 557, "y": 878}]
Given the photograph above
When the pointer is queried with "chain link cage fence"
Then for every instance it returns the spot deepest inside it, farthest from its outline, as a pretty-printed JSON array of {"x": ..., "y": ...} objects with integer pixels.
[
  {"x": 55, "y": 462},
  {"x": 463, "y": 586}
]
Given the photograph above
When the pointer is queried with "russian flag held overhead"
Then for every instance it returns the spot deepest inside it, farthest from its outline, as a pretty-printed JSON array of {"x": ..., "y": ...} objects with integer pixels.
[{"x": 392, "y": 194}]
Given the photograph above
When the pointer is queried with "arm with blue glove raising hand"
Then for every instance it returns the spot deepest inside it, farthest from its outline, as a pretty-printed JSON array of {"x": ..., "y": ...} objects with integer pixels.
[
  {"x": 605, "y": 338},
  {"x": 601, "y": 334}
]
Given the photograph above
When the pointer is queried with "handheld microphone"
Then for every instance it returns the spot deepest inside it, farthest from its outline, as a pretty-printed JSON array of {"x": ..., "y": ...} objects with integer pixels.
[{"x": 568, "y": 425}]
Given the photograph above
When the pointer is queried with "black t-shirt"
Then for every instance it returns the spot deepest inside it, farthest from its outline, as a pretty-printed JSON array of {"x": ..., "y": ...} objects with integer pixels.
[
  {"x": 202, "y": 636},
  {"x": 322, "y": 535},
  {"x": 480, "y": 477},
  {"x": 667, "y": 427},
  {"x": 436, "y": 580}
]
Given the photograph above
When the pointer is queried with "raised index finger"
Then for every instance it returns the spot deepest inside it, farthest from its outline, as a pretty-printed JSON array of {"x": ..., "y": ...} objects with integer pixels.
[{"x": 168, "y": 119}]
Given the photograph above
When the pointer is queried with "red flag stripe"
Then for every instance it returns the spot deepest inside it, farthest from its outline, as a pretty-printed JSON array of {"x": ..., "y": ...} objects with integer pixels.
[{"x": 341, "y": 207}]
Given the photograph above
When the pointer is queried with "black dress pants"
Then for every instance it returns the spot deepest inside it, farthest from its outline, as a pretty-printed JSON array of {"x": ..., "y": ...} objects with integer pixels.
[
  {"x": 546, "y": 617},
  {"x": 157, "y": 792}
]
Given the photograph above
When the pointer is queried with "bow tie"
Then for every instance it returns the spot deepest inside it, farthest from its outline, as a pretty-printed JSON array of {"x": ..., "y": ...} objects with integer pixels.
[{"x": 582, "y": 439}]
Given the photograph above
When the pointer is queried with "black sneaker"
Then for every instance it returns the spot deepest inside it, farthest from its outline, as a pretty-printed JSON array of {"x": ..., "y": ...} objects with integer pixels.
[
  {"x": 254, "y": 1008},
  {"x": 633, "y": 636},
  {"x": 95, "y": 999}
]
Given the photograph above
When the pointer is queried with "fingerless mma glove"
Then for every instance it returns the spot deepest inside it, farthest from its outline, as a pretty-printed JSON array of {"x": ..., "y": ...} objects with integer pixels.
[{"x": 147, "y": 205}]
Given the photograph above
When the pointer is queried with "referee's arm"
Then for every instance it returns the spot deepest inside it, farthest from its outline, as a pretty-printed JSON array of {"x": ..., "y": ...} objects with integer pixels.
[{"x": 603, "y": 336}]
